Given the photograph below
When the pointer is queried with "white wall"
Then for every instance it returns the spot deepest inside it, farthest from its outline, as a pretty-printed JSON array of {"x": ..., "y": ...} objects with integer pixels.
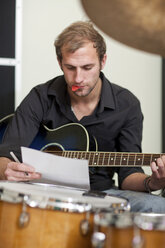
[{"x": 138, "y": 71}]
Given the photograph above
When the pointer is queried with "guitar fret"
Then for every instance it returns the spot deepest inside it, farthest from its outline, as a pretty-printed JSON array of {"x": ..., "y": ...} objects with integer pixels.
[
  {"x": 142, "y": 159},
  {"x": 88, "y": 156},
  {"x": 109, "y": 158},
  {"x": 106, "y": 158},
  {"x": 121, "y": 159},
  {"x": 112, "y": 159},
  {"x": 73, "y": 155},
  {"x": 91, "y": 159},
  {"x": 147, "y": 159},
  {"x": 127, "y": 158},
  {"x": 135, "y": 159},
  {"x": 151, "y": 158},
  {"x": 78, "y": 155},
  {"x": 155, "y": 156},
  {"x": 103, "y": 153},
  {"x": 118, "y": 159},
  {"x": 95, "y": 158},
  {"x": 124, "y": 160},
  {"x": 70, "y": 154},
  {"x": 131, "y": 160},
  {"x": 101, "y": 158},
  {"x": 139, "y": 159},
  {"x": 65, "y": 154},
  {"x": 83, "y": 155}
]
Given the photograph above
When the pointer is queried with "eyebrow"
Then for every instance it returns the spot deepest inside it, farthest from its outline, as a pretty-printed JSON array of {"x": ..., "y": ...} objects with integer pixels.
[{"x": 80, "y": 66}]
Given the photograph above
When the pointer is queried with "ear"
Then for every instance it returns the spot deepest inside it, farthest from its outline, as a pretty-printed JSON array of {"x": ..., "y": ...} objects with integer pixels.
[
  {"x": 60, "y": 64},
  {"x": 103, "y": 61}
]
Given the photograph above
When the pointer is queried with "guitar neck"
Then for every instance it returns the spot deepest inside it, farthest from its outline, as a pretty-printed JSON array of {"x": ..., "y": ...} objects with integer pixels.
[{"x": 111, "y": 159}]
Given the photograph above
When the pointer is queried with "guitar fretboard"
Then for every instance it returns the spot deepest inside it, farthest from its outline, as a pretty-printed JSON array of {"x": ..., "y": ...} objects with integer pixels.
[{"x": 111, "y": 159}]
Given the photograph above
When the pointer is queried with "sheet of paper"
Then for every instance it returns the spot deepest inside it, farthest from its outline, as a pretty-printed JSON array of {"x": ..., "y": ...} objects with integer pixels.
[{"x": 57, "y": 169}]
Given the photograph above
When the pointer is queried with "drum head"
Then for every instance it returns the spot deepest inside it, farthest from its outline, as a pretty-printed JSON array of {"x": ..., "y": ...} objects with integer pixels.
[
  {"x": 118, "y": 220},
  {"x": 48, "y": 196},
  {"x": 150, "y": 221}
]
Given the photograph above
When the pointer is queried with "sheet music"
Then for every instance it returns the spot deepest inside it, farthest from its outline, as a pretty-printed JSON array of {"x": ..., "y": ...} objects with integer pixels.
[{"x": 57, "y": 169}]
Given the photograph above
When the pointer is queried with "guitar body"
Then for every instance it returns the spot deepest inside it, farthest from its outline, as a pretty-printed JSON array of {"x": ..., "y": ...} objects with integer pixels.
[{"x": 72, "y": 136}]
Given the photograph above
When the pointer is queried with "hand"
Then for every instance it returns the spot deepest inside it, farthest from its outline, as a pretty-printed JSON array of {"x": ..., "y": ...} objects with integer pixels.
[
  {"x": 158, "y": 174},
  {"x": 20, "y": 172}
]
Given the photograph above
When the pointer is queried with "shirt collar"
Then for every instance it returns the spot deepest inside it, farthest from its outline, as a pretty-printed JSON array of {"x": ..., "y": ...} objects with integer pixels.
[
  {"x": 59, "y": 90},
  {"x": 107, "y": 99}
]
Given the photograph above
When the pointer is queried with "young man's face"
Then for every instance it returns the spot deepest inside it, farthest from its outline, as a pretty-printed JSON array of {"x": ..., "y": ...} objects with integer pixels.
[{"x": 82, "y": 69}]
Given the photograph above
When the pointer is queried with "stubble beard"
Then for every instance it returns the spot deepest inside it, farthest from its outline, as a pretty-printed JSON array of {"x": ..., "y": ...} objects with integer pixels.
[{"x": 89, "y": 91}]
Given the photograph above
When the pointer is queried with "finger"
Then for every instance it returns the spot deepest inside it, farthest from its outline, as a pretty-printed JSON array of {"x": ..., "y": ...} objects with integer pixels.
[
  {"x": 157, "y": 168},
  {"x": 21, "y": 175},
  {"x": 20, "y": 179},
  {"x": 154, "y": 170},
  {"x": 154, "y": 167},
  {"x": 160, "y": 166},
  {"x": 163, "y": 159},
  {"x": 20, "y": 167}
]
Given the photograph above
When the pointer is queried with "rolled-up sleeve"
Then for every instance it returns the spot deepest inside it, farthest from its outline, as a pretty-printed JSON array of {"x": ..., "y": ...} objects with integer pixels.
[{"x": 130, "y": 138}]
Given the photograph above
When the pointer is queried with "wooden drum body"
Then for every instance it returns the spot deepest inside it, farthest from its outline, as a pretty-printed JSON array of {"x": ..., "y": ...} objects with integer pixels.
[
  {"x": 130, "y": 230},
  {"x": 152, "y": 229},
  {"x": 117, "y": 228},
  {"x": 42, "y": 216}
]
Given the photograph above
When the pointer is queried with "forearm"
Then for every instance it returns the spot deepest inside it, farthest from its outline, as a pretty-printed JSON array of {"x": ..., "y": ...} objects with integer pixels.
[
  {"x": 134, "y": 182},
  {"x": 3, "y": 165}
]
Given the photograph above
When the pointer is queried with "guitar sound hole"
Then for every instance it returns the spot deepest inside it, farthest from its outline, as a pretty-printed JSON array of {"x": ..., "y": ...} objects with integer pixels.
[{"x": 52, "y": 148}]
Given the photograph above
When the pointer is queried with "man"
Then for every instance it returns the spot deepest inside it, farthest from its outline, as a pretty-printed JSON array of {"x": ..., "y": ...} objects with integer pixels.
[{"x": 83, "y": 95}]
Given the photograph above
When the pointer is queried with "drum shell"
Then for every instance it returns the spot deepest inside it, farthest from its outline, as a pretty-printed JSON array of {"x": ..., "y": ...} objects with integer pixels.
[
  {"x": 118, "y": 237},
  {"x": 152, "y": 229},
  {"x": 46, "y": 228},
  {"x": 123, "y": 237}
]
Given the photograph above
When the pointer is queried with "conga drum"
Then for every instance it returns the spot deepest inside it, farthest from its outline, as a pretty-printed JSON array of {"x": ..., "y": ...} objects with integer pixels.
[
  {"x": 152, "y": 229},
  {"x": 113, "y": 230},
  {"x": 129, "y": 230},
  {"x": 46, "y": 216}
]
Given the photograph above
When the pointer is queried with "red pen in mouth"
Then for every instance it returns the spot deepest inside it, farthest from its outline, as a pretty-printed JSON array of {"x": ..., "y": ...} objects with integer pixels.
[{"x": 75, "y": 87}]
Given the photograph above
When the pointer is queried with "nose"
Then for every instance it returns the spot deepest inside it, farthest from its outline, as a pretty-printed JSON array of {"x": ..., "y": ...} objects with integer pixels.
[{"x": 78, "y": 76}]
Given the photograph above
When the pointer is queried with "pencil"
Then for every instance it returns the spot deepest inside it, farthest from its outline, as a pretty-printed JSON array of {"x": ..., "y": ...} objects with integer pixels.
[
  {"x": 14, "y": 157},
  {"x": 17, "y": 160}
]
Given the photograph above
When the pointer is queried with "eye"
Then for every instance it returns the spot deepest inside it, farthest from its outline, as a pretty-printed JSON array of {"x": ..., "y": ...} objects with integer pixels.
[
  {"x": 71, "y": 68},
  {"x": 87, "y": 68}
]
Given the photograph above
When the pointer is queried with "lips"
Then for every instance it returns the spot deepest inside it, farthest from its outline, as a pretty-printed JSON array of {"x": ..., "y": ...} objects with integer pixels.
[{"x": 75, "y": 87}]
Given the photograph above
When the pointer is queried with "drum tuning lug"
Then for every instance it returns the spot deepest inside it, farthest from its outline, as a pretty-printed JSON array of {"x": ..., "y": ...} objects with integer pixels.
[
  {"x": 138, "y": 240},
  {"x": 84, "y": 227},
  {"x": 24, "y": 219},
  {"x": 24, "y": 216},
  {"x": 98, "y": 240}
]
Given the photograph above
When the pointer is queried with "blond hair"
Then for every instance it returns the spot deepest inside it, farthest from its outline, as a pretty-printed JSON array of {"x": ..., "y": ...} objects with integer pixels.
[{"x": 76, "y": 35}]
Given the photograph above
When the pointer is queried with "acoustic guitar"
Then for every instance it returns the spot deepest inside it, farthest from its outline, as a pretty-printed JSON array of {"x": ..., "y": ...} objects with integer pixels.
[{"x": 72, "y": 141}]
